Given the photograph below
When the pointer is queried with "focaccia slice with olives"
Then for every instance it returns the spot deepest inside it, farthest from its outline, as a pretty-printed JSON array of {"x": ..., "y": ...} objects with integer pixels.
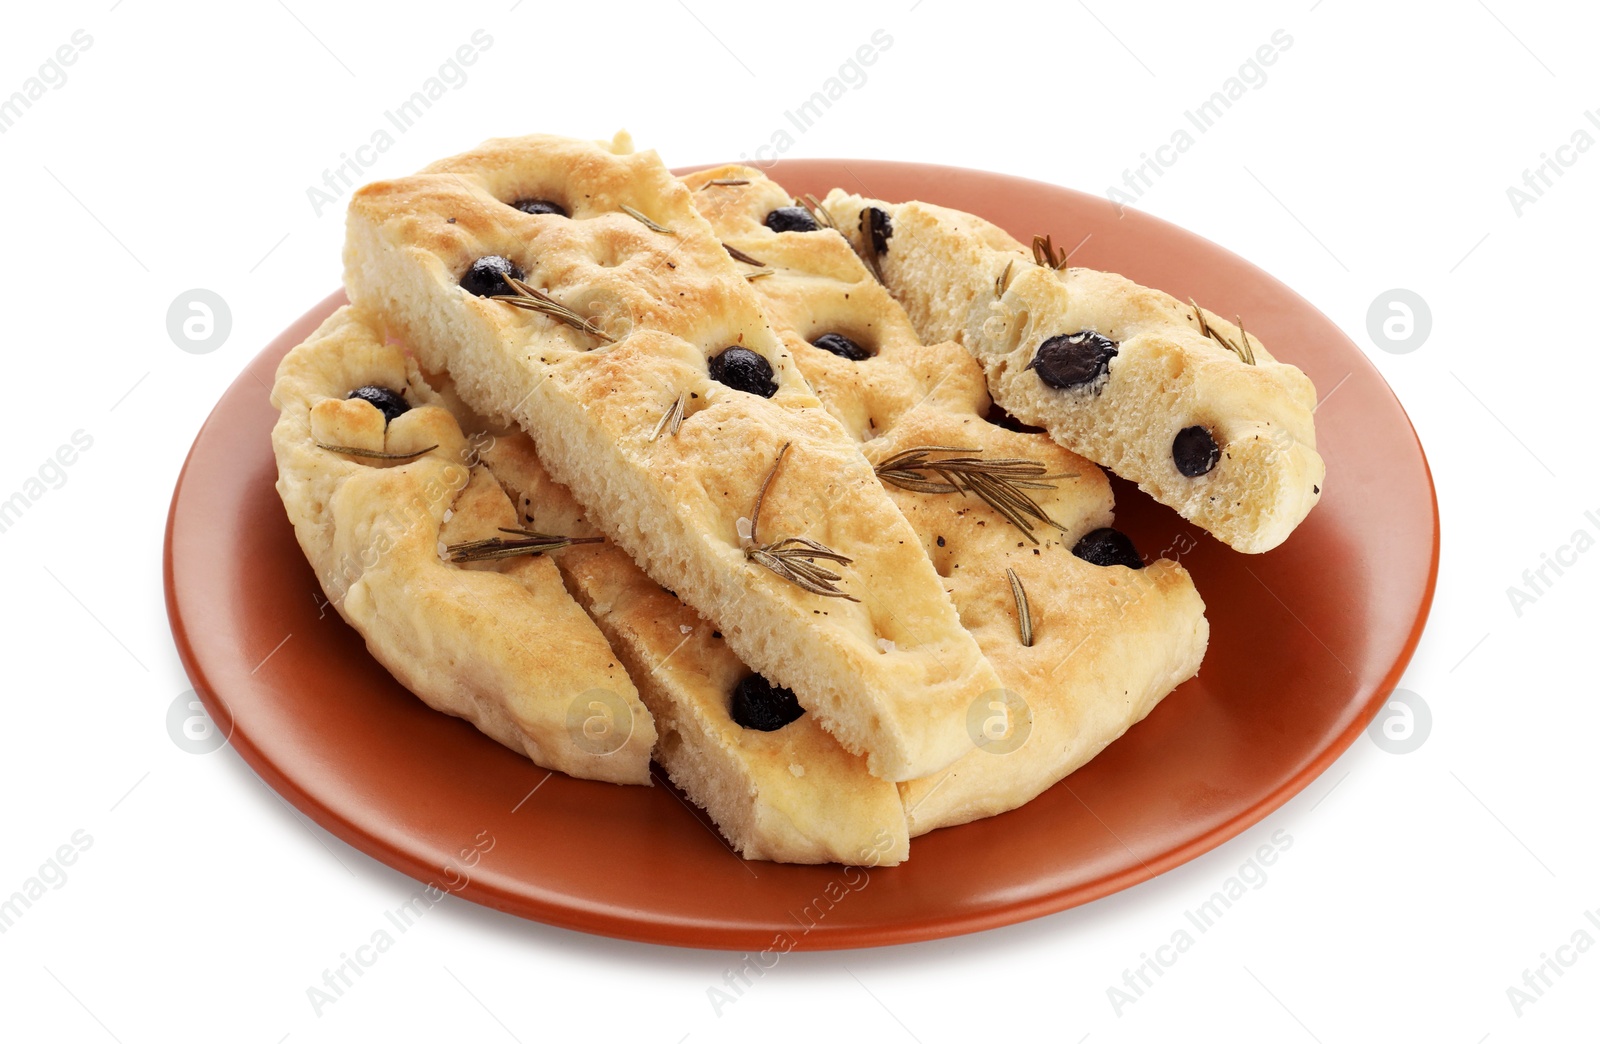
[
  {"x": 1106, "y": 636},
  {"x": 386, "y": 494},
  {"x": 571, "y": 287},
  {"x": 776, "y": 784},
  {"x": 1166, "y": 394}
]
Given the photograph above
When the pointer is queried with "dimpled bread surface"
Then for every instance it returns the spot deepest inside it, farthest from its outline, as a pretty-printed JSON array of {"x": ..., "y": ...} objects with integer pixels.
[
  {"x": 945, "y": 267},
  {"x": 891, "y": 676},
  {"x": 1109, "y": 641},
  {"x": 501, "y": 644},
  {"x": 793, "y": 795}
]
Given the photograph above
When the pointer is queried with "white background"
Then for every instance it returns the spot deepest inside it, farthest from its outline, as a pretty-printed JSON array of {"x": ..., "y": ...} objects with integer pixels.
[{"x": 1376, "y": 155}]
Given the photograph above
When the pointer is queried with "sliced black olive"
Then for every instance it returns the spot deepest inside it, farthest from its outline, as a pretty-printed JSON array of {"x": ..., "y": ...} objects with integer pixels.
[
  {"x": 1108, "y": 547},
  {"x": 388, "y": 401},
  {"x": 842, "y": 346},
  {"x": 791, "y": 219},
  {"x": 742, "y": 369},
  {"x": 1070, "y": 360},
  {"x": 760, "y": 705},
  {"x": 1195, "y": 452},
  {"x": 487, "y": 275}
]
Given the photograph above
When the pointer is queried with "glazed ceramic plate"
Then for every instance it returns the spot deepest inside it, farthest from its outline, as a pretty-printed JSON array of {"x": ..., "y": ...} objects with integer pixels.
[{"x": 1306, "y": 642}]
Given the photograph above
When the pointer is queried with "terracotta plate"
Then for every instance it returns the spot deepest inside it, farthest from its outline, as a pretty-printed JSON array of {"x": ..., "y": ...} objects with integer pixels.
[{"x": 1306, "y": 642}]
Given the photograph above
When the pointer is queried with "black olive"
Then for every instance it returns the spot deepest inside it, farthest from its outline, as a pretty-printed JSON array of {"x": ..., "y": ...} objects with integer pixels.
[
  {"x": 791, "y": 219},
  {"x": 745, "y": 371},
  {"x": 842, "y": 346},
  {"x": 1068, "y": 360},
  {"x": 487, "y": 276},
  {"x": 1108, "y": 547},
  {"x": 388, "y": 401},
  {"x": 760, "y": 705},
  {"x": 540, "y": 206},
  {"x": 1195, "y": 452},
  {"x": 880, "y": 228}
]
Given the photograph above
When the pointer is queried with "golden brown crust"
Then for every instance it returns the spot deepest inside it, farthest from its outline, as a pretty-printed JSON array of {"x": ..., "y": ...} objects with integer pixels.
[
  {"x": 674, "y": 502},
  {"x": 500, "y": 644},
  {"x": 944, "y": 266},
  {"x": 1108, "y": 643}
]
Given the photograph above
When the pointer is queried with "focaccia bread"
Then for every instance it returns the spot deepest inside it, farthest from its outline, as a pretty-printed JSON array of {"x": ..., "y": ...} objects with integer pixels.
[
  {"x": 379, "y": 482},
  {"x": 639, "y": 360},
  {"x": 1163, "y": 393},
  {"x": 1109, "y": 636},
  {"x": 783, "y": 792}
]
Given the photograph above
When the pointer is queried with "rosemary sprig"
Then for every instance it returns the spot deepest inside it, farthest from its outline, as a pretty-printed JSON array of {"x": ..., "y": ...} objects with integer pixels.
[
  {"x": 670, "y": 421},
  {"x": 1003, "y": 280},
  {"x": 1024, "y": 615},
  {"x": 813, "y": 206},
  {"x": 1045, "y": 254},
  {"x": 793, "y": 558},
  {"x": 523, "y": 542},
  {"x": 726, "y": 181},
  {"x": 536, "y": 300},
  {"x": 740, "y": 255},
  {"x": 375, "y": 454},
  {"x": 753, "y": 276},
  {"x": 1001, "y": 482},
  {"x": 1243, "y": 350},
  {"x": 646, "y": 222}
]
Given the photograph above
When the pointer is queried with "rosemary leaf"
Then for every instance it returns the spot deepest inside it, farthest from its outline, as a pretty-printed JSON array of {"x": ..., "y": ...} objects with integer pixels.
[
  {"x": 1245, "y": 353},
  {"x": 1000, "y": 482},
  {"x": 726, "y": 181},
  {"x": 794, "y": 558},
  {"x": 814, "y": 207},
  {"x": 523, "y": 542},
  {"x": 1003, "y": 280},
  {"x": 536, "y": 300},
  {"x": 646, "y": 222},
  {"x": 740, "y": 255},
  {"x": 1243, "y": 349},
  {"x": 375, "y": 454},
  {"x": 1045, "y": 254},
  {"x": 670, "y": 421},
  {"x": 1024, "y": 615}
]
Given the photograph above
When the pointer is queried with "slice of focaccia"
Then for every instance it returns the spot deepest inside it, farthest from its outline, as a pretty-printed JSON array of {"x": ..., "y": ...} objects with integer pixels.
[
  {"x": 638, "y": 358},
  {"x": 1166, "y": 394},
  {"x": 778, "y": 787},
  {"x": 379, "y": 483},
  {"x": 1106, "y": 636}
]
